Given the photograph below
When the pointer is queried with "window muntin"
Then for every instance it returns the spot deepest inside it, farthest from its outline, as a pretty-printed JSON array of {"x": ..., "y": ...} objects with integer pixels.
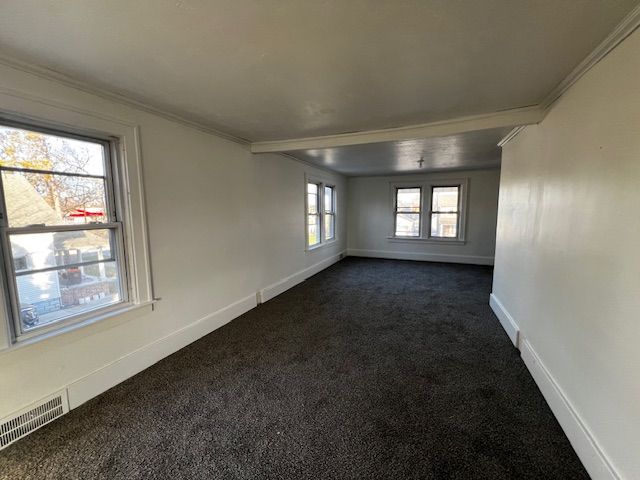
[
  {"x": 313, "y": 214},
  {"x": 329, "y": 213},
  {"x": 59, "y": 213},
  {"x": 407, "y": 211},
  {"x": 445, "y": 211}
]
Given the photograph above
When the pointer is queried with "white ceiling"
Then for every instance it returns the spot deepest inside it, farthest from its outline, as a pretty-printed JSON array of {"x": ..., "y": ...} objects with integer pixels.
[
  {"x": 472, "y": 150},
  {"x": 274, "y": 69}
]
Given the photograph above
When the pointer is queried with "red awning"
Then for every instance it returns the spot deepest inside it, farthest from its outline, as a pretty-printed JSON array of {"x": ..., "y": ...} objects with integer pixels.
[{"x": 87, "y": 212}]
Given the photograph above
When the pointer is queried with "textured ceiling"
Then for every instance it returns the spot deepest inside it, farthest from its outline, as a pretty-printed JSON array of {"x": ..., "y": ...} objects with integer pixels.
[{"x": 274, "y": 69}]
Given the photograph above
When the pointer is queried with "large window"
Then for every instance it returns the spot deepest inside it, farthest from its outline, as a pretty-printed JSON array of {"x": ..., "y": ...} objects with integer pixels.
[
  {"x": 321, "y": 213},
  {"x": 313, "y": 214},
  {"x": 407, "y": 211},
  {"x": 429, "y": 210},
  {"x": 329, "y": 213},
  {"x": 445, "y": 211},
  {"x": 62, "y": 238}
]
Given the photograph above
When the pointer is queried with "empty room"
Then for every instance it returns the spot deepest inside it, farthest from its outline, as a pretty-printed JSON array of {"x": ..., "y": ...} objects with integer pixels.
[{"x": 329, "y": 239}]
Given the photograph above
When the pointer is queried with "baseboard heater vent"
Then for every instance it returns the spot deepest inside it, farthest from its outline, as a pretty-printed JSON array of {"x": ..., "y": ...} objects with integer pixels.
[{"x": 33, "y": 417}]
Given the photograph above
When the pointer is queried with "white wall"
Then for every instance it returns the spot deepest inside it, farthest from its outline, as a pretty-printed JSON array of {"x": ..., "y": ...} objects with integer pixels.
[
  {"x": 567, "y": 264},
  {"x": 370, "y": 219},
  {"x": 223, "y": 224}
]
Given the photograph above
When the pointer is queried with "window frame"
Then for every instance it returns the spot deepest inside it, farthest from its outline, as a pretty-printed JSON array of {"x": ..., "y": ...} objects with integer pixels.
[
  {"x": 124, "y": 200},
  {"x": 318, "y": 214},
  {"x": 397, "y": 188},
  {"x": 113, "y": 224},
  {"x": 321, "y": 183},
  {"x": 426, "y": 204},
  {"x": 432, "y": 212},
  {"x": 331, "y": 212}
]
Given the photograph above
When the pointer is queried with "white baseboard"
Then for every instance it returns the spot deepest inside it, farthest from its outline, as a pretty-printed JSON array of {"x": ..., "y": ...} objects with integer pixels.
[
  {"x": 589, "y": 451},
  {"x": 134, "y": 362},
  {"x": 275, "y": 289},
  {"x": 425, "y": 257},
  {"x": 506, "y": 320}
]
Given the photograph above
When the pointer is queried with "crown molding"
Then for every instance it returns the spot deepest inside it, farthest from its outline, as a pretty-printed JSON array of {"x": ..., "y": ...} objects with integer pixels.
[
  {"x": 511, "y": 135},
  {"x": 625, "y": 28},
  {"x": 68, "y": 81},
  {"x": 517, "y": 117},
  {"x": 504, "y": 118}
]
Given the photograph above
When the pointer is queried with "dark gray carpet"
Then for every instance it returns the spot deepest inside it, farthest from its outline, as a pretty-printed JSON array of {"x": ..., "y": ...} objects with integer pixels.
[{"x": 370, "y": 369}]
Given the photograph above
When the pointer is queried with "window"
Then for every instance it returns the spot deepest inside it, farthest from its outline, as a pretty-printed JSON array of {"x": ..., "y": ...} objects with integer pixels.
[
  {"x": 313, "y": 214},
  {"x": 62, "y": 237},
  {"x": 427, "y": 210},
  {"x": 329, "y": 213},
  {"x": 445, "y": 212},
  {"x": 407, "y": 212},
  {"x": 320, "y": 213}
]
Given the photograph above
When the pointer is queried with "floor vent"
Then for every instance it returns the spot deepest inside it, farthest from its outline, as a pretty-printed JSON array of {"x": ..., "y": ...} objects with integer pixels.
[{"x": 33, "y": 417}]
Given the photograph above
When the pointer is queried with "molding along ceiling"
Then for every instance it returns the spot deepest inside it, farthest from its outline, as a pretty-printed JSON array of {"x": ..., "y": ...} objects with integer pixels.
[
  {"x": 46, "y": 51},
  {"x": 507, "y": 118}
]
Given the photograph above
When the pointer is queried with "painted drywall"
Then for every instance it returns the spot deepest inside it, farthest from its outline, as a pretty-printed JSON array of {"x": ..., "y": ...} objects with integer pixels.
[
  {"x": 371, "y": 219},
  {"x": 223, "y": 224},
  {"x": 567, "y": 263}
]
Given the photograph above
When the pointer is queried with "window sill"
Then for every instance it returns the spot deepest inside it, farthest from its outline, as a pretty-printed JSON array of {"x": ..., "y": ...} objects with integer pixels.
[
  {"x": 320, "y": 245},
  {"x": 121, "y": 311},
  {"x": 435, "y": 241}
]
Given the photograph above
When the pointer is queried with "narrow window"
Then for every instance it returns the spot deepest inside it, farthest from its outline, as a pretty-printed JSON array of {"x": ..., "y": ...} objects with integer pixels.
[
  {"x": 329, "y": 213},
  {"x": 445, "y": 212},
  {"x": 61, "y": 236},
  {"x": 313, "y": 214},
  {"x": 407, "y": 212}
]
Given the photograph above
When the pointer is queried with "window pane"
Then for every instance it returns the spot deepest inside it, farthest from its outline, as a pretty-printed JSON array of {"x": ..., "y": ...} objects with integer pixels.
[
  {"x": 34, "y": 198},
  {"x": 329, "y": 226},
  {"x": 313, "y": 227},
  {"x": 407, "y": 225},
  {"x": 444, "y": 225},
  {"x": 48, "y": 297},
  {"x": 312, "y": 198},
  {"x": 39, "y": 151},
  {"x": 328, "y": 199},
  {"x": 408, "y": 200},
  {"x": 444, "y": 199},
  {"x": 35, "y": 251}
]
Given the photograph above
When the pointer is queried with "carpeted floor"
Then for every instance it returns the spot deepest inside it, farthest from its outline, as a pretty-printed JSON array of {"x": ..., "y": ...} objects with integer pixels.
[{"x": 371, "y": 369}]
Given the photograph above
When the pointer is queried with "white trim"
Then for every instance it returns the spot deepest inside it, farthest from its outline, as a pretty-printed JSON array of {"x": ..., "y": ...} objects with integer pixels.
[
  {"x": 511, "y": 135},
  {"x": 131, "y": 197},
  {"x": 593, "y": 457},
  {"x": 426, "y": 186},
  {"x": 505, "y": 118},
  {"x": 110, "y": 375},
  {"x": 431, "y": 240},
  {"x": 625, "y": 28},
  {"x": 68, "y": 81},
  {"x": 275, "y": 289},
  {"x": 513, "y": 117},
  {"x": 424, "y": 257},
  {"x": 113, "y": 313},
  {"x": 134, "y": 362},
  {"x": 506, "y": 320}
]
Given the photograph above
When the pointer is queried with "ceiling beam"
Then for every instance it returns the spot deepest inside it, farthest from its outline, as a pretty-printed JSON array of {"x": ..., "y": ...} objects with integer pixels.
[{"x": 505, "y": 118}]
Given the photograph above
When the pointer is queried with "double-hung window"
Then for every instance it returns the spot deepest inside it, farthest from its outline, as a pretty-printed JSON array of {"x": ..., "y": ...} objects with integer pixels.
[
  {"x": 320, "y": 213},
  {"x": 445, "y": 211},
  {"x": 61, "y": 232},
  {"x": 329, "y": 212},
  {"x": 313, "y": 214},
  {"x": 429, "y": 210},
  {"x": 407, "y": 211}
]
